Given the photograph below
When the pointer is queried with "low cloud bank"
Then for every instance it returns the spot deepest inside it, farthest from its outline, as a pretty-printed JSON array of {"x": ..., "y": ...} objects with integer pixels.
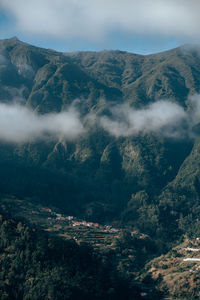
[
  {"x": 164, "y": 118},
  {"x": 19, "y": 124}
]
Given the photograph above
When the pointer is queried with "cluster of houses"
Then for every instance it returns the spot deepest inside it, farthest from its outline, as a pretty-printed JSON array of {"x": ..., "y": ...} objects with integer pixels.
[{"x": 77, "y": 223}]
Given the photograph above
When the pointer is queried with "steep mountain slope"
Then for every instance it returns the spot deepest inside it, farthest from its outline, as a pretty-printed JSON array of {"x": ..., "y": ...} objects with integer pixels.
[
  {"x": 173, "y": 74},
  {"x": 97, "y": 175}
]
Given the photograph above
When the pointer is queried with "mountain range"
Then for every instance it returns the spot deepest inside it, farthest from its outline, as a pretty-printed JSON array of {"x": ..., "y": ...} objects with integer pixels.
[{"x": 124, "y": 163}]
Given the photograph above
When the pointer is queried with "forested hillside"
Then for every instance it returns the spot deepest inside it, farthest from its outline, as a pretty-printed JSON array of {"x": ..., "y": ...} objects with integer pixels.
[
  {"x": 35, "y": 266},
  {"x": 118, "y": 165}
]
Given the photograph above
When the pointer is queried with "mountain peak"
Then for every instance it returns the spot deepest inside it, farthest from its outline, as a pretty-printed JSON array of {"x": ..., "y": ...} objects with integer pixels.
[
  {"x": 14, "y": 39},
  {"x": 11, "y": 40}
]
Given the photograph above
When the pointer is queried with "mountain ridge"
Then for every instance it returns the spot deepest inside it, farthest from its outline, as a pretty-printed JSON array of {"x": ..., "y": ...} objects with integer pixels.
[{"x": 98, "y": 175}]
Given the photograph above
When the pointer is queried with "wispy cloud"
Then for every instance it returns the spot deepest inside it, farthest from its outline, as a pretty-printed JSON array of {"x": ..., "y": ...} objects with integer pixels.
[
  {"x": 163, "y": 118},
  {"x": 19, "y": 124},
  {"x": 94, "y": 19}
]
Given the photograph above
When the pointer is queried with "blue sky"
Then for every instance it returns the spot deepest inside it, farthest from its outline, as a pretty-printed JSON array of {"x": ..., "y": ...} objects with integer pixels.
[{"x": 145, "y": 26}]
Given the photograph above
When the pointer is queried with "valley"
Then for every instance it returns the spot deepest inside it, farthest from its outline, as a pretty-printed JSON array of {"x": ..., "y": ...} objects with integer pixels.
[{"x": 100, "y": 163}]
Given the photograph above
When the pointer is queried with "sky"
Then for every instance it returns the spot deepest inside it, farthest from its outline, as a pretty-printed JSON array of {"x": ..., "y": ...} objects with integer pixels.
[{"x": 139, "y": 26}]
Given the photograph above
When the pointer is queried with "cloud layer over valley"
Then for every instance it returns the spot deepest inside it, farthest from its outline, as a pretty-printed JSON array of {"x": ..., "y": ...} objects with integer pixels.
[
  {"x": 19, "y": 124},
  {"x": 162, "y": 117}
]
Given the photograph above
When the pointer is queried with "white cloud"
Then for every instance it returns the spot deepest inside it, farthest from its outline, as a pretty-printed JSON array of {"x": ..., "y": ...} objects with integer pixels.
[
  {"x": 95, "y": 19},
  {"x": 19, "y": 124},
  {"x": 162, "y": 117}
]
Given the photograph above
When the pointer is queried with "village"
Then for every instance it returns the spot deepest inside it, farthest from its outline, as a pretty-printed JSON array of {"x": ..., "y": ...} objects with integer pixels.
[
  {"x": 66, "y": 226},
  {"x": 71, "y": 227},
  {"x": 75, "y": 222}
]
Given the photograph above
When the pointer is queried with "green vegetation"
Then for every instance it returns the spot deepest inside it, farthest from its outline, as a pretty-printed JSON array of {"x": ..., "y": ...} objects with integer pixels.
[
  {"x": 35, "y": 266},
  {"x": 174, "y": 275},
  {"x": 144, "y": 183}
]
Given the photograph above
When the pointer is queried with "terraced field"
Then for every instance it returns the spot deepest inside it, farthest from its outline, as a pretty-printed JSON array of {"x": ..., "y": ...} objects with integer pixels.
[
  {"x": 177, "y": 273},
  {"x": 52, "y": 221}
]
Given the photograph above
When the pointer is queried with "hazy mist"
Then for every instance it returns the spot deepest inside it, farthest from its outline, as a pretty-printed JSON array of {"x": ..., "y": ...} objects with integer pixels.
[{"x": 19, "y": 124}]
